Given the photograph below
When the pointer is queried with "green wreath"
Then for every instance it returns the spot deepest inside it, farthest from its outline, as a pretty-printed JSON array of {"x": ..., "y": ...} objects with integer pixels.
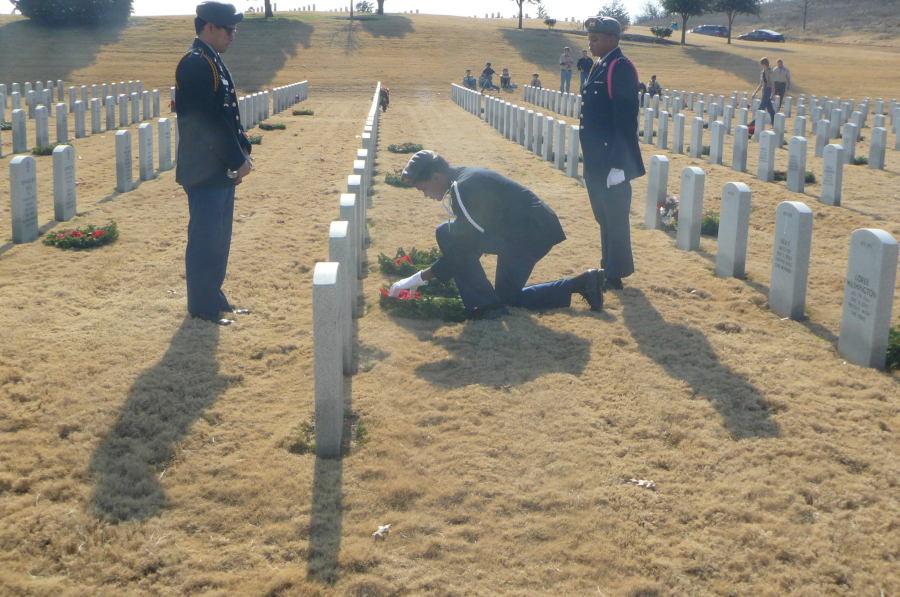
[{"x": 436, "y": 300}]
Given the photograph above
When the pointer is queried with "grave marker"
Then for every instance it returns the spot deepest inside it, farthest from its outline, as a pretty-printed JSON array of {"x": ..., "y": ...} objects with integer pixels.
[
  {"x": 339, "y": 251},
  {"x": 41, "y": 127},
  {"x": 765, "y": 169},
  {"x": 848, "y": 140},
  {"x": 62, "y": 124},
  {"x": 678, "y": 141},
  {"x": 657, "y": 187},
  {"x": 734, "y": 223},
  {"x": 739, "y": 149},
  {"x": 329, "y": 383},
  {"x": 822, "y": 128},
  {"x": 79, "y": 119},
  {"x": 696, "y": 150},
  {"x": 833, "y": 174},
  {"x": 717, "y": 142},
  {"x": 868, "y": 297},
  {"x": 23, "y": 198},
  {"x": 662, "y": 135},
  {"x": 64, "y": 196},
  {"x": 690, "y": 209},
  {"x": 164, "y": 128},
  {"x": 123, "y": 161},
  {"x": 796, "y": 175},
  {"x": 877, "y": 148},
  {"x": 790, "y": 259},
  {"x": 572, "y": 146},
  {"x": 145, "y": 151}
]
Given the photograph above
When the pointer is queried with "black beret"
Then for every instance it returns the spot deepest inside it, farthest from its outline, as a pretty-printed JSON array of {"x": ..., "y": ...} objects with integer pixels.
[
  {"x": 606, "y": 25},
  {"x": 419, "y": 163},
  {"x": 219, "y": 13}
]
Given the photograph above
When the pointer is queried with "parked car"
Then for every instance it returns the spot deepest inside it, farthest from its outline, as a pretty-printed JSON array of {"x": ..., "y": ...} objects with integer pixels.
[
  {"x": 714, "y": 30},
  {"x": 762, "y": 35}
]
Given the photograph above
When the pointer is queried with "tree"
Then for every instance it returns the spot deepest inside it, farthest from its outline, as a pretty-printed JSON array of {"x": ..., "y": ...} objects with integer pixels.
[
  {"x": 541, "y": 10},
  {"x": 269, "y": 12},
  {"x": 74, "y": 12},
  {"x": 364, "y": 7},
  {"x": 806, "y": 4},
  {"x": 380, "y": 10},
  {"x": 732, "y": 8},
  {"x": 649, "y": 12},
  {"x": 685, "y": 9},
  {"x": 616, "y": 10},
  {"x": 520, "y": 3}
]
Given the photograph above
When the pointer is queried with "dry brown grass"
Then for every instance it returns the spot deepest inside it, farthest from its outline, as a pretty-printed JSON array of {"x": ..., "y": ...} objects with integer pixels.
[{"x": 499, "y": 451}]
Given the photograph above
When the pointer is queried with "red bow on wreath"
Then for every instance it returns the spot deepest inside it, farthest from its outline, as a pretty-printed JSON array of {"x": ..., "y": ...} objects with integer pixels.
[
  {"x": 404, "y": 259},
  {"x": 404, "y": 295}
]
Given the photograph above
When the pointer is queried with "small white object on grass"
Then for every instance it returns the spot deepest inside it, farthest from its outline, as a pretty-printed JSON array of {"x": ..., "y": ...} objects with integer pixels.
[
  {"x": 382, "y": 532},
  {"x": 643, "y": 483}
]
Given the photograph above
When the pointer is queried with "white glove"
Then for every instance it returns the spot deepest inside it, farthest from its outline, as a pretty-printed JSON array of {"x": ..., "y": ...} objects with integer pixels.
[
  {"x": 410, "y": 283},
  {"x": 615, "y": 177}
]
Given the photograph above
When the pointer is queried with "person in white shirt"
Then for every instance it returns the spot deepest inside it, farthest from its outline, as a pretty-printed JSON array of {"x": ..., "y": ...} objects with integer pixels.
[
  {"x": 566, "y": 63},
  {"x": 781, "y": 81}
]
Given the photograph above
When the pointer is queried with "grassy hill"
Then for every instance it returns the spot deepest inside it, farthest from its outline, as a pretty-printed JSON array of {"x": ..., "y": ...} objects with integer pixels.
[{"x": 408, "y": 52}]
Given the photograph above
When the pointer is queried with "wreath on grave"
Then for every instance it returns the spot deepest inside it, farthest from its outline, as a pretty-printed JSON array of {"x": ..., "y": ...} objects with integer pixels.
[
  {"x": 395, "y": 179},
  {"x": 5, "y": 125},
  {"x": 435, "y": 300},
  {"x": 88, "y": 237},
  {"x": 266, "y": 126},
  {"x": 404, "y": 147},
  {"x": 668, "y": 213}
]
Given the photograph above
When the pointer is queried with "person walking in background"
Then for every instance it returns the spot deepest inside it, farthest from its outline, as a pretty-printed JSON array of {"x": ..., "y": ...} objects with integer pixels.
[
  {"x": 566, "y": 63},
  {"x": 609, "y": 141},
  {"x": 584, "y": 65},
  {"x": 213, "y": 157},
  {"x": 497, "y": 216},
  {"x": 765, "y": 84},
  {"x": 781, "y": 81},
  {"x": 654, "y": 88}
]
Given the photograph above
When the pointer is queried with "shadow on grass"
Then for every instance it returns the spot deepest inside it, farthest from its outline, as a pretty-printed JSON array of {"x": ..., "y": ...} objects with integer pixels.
[
  {"x": 386, "y": 26},
  {"x": 262, "y": 47},
  {"x": 542, "y": 48},
  {"x": 509, "y": 351},
  {"x": 686, "y": 354},
  {"x": 162, "y": 405},
  {"x": 740, "y": 66},
  {"x": 32, "y": 52}
]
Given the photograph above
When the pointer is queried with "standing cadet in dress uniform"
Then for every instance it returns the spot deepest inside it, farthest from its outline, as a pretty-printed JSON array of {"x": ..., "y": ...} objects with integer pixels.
[
  {"x": 213, "y": 157},
  {"x": 609, "y": 141},
  {"x": 497, "y": 216}
]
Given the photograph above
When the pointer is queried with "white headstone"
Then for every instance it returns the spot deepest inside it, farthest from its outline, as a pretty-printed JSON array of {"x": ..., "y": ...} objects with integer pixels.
[
  {"x": 329, "y": 383},
  {"x": 734, "y": 223},
  {"x": 877, "y": 147},
  {"x": 696, "y": 150},
  {"x": 64, "y": 197},
  {"x": 868, "y": 297},
  {"x": 717, "y": 142},
  {"x": 547, "y": 138},
  {"x": 739, "y": 149},
  {"x": 832, "y": 174},
  {"x": 648, "y": 125},
  {"x": 79, "y": 119},
  {"x": 349, "y": 212},
  {"x": 123, "y": 161},
  {"x": 20, "y": 142},
  {"x": 849, "y": 133},
  {"x": 62, "y": 124},
  {"x": 796, "y": 175},
  {"x": 790, "y": 259},
  {"x": 778, "y": 127},
  {"x": 822, "y": 128},
  {"x": 339, "y": 251},
  {"x": 690, "y": 209},
  {"x": 765, "y": 169},
  {"x": 23, "y": 198},
  {"x": 662, "y": 135},
  {"x": 559, "y": 148},
  {"x": 678, "y": 137},
  {"x": 41, "y": 127},
  {"x": 572, "y": 151},
  {"x": 800, "y": 126},
  {"x": 96, "y": 126},
  {"x": 145, "y": 151},
  {"x": 657, "y": 187},
  {"x": 837, "y": 118}
]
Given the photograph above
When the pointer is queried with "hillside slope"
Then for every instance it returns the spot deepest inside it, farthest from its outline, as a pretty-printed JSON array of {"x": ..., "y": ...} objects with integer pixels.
[{"x": 410, "y": 52}]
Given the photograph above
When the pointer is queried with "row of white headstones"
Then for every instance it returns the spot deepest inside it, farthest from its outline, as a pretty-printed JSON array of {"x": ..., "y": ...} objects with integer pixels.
[
  {"x": 336, "y": 292},
  {"x": 871, "y": 270},
  {"x": 23, "y": 169}
]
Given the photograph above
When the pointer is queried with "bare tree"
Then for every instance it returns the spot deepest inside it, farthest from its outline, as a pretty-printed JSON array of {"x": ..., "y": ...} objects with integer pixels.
[
  {"x": 520, "y": 4},
  {"x": 731, "y": 8},
  {"x": 806, "y": 4},
  {"x": 380, "y": 10},
  {"x": 269, "y": 12}
]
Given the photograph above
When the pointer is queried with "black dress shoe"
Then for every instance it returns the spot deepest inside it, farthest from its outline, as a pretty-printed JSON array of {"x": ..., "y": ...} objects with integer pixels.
[
  {"x": 492, "y": 311},
  {"x": 613, "y": 284},
  {"x": 593, "y": 289}
]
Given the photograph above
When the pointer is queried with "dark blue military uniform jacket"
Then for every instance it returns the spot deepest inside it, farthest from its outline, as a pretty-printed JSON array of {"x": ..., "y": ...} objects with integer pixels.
[
  {"x": 609, "y": 137},
  {"x": 497, "y": 214},
  {"x": 211, "y": 137}
]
